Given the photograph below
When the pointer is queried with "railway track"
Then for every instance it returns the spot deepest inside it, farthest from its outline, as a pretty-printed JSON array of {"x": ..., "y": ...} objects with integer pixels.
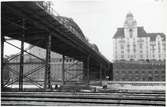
[{"x": 67, "y": 98}]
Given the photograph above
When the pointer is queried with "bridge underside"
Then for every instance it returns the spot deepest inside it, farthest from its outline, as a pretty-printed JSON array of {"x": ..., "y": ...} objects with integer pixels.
[{"x": 28, "y": 22}]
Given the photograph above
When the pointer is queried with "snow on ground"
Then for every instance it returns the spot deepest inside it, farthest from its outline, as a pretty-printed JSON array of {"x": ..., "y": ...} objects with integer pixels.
[
  {"x": 132, "y": 87},
  {"x": 116, "y": 86},
  {"x": 24, "y": 86}
]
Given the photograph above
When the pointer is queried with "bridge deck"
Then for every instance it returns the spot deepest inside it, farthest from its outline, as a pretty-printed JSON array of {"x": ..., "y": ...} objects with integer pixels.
[{"x": 38, "y": 25}]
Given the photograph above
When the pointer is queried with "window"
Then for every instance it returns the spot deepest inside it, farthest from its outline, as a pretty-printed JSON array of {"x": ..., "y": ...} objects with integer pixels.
[
  {"x": 130, "y": 33},
  {"x": 153, "y": 48},
  {"x": 134, "y": 45},
  {"x": 141, "y": 46},
  {"x": 150, "y": 78},
  {"x": 163, "y": 72},
  {"x": 141, "y": 56},
  {"x": 130, "y": 72},
  {"x": 128, "y": 46},
  {"x": 164, "y": 46},
  {"x": 149, "y": 72},
  {"x": 159, "y": 48},
  {"x": 122, "y": 47}
]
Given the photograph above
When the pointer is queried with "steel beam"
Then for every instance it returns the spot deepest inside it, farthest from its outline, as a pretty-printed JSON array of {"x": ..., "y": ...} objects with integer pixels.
[
  {"x": 47, "y": 81},
  {"x": 2, "y": 64},
  {"x": 22, "y": 59},
  {"x": 63, "y": 70}
]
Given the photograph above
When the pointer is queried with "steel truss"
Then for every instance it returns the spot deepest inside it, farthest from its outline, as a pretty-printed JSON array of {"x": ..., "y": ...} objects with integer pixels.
[
  {"x": 22, "y": 75},
  {"x": 69, "y": 69},
  {"x": 44, "y": 64},
  {"x": 85, "y": 69}
]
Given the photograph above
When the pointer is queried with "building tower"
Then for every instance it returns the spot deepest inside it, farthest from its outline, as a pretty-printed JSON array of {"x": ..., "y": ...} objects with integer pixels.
[{"x": 131, "y": 42}]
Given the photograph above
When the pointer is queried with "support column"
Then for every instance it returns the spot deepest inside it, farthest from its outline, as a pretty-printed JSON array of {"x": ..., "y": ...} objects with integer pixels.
[
  {"x": 47, "y": 81},
  {"x": 100, "y": 74},
  {"x": 2, "y": 60},
  {"x": 22, "y": 59},
  {"x": 88, "y": 70},
  {"x": 84, "y": 70},
  {"x": 105, "y": 71},
  {"x": 63, "y": 70},
  {"x": 111, "y": 72}
]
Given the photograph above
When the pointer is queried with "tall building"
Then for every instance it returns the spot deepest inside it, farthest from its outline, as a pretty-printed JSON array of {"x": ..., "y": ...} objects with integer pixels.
[{"x": 132, "y": 42}]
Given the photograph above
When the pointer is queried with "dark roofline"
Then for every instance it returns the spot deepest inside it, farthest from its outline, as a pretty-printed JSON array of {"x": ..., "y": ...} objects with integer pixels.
[
  {"x": 119, "y": 33},
  {"x": 140, "y": 33},
  {"x": 154, "y": 35}
]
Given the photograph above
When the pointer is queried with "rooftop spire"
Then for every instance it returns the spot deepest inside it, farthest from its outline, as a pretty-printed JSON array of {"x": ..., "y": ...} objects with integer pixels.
[
  {"x": 129, "y": 21},
  {"x": 129, "y": 15}
]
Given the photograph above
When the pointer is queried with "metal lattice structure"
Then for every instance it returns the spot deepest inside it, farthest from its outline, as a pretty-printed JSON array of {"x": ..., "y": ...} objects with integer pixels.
[{"x": 35, "y": 23}]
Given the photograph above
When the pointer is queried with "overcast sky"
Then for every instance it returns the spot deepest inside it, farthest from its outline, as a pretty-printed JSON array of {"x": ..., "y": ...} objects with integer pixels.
[{"x": 99, "y": 19}]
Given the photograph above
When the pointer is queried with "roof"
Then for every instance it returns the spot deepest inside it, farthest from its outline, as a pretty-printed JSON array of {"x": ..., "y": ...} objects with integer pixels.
[
  {"x": 140, "y": 33},
  {"x": 119, "y": 33},
  {"x": 129, "y": 14},
  {"x": 154, "y": 35}
]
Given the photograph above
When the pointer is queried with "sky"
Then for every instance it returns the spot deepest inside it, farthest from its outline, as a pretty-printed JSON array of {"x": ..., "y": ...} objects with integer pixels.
[{"x": 99, "y": 19}]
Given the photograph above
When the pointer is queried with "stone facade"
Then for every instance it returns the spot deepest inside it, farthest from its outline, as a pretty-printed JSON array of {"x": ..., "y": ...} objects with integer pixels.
[{"x": 138, "y": 71}]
